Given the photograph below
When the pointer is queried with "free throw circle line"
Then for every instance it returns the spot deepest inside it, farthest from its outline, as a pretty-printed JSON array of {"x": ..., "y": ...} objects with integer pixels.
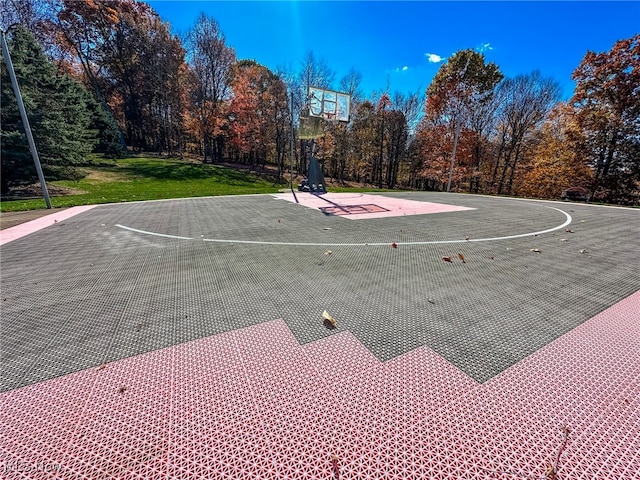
[{"x": 567, "y": 221}]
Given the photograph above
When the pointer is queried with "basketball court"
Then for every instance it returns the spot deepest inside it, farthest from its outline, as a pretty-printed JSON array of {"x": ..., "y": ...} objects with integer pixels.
[{"x": 476, "y": 337}]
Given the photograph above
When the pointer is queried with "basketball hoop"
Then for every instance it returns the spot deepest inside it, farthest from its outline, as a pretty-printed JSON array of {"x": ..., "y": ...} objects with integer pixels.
[
  {"x": 323, "y": 107},
  {"x": 328, "y": 104}
]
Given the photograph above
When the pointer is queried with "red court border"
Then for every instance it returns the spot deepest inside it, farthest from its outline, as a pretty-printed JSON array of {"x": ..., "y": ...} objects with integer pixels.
[{"x": 13, "y": 233}]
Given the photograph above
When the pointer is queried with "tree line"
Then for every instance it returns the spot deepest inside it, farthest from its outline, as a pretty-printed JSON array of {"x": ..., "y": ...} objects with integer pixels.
[{"x": 109, "y": 76}]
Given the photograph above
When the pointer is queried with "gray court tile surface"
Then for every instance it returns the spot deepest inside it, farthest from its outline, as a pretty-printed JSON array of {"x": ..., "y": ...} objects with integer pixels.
[{"x": 86, "y": 291}]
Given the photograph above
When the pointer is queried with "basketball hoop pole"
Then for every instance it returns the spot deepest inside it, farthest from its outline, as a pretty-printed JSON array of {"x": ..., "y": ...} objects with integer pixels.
[
  {"x": 25, "y": 119},
  {"x": 453, "y": 155},
  {"x": 291, "y": 146}
]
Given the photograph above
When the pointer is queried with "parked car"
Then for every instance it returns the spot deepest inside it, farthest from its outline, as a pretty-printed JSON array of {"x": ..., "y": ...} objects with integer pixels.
[{"x": 575, "y": 194}]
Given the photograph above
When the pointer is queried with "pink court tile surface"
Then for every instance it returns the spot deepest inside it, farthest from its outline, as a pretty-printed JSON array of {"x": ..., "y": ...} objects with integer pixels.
[
  {"x": 24, "y": 229},
  {"x": 358, "y": 206},
  {"x": 253, "y": 403}
]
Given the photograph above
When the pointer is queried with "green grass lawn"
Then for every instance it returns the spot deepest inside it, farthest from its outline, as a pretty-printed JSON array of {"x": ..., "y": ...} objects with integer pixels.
[{"x": 149, "y": 178}]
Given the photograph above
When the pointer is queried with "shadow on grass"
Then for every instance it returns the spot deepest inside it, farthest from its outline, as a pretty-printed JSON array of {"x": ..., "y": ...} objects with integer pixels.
[{"x": 179, "y": 170}]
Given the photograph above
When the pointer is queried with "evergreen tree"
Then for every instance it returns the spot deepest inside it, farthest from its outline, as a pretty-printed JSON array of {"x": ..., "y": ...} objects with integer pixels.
[
  {"x": 59, "y": 111},
  {"x": 109, "y": 135}
]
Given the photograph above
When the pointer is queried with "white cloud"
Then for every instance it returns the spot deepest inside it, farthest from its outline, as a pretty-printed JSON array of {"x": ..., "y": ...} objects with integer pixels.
[
  {"x": 433, "y": 58},
  {"x": 405, "y": 68},
  {"x": 483, "y": 47}
]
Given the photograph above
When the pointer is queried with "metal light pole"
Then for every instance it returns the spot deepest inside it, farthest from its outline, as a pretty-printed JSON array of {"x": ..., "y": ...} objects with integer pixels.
[
  {"x": 458, "y": 126},
  {"x": 453, "y": 154},
  {"x": 25, "y": 120},
  {"x": 381, "y": 148},
  {"x": 291, "y": 144}
]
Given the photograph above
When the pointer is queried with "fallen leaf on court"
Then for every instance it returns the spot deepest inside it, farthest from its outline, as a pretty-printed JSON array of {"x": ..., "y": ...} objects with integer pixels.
[
  {"x": 102, "y": 366},
  {"x": 328, "y": 252},
  {"x": 122, "y": 389},
  {"x": 461, "y": 257},
  {"x": 431, "y": 301},
  {"x": 329, "y": 319},
  {"x": 327, "y": 228},
  {"x": 568, "y": 230},
  {"x": 279, "y": 221},
  {"x": 446, "y": 259},
  {"x": 583, "y": 251},
  {"x": 394, "y": 245},
  {"x": 492, "y": 257},
  {"x": 535, "y": 250},
  {"x": 550, "y": 473},
  {"x": 563, "y": 239},
  {"x": 466, "y": 238},
  {"x": 334, "y": 466}
]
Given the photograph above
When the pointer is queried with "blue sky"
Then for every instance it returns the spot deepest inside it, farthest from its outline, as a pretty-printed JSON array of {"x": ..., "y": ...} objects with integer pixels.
[{"x": 400, "y": 45}]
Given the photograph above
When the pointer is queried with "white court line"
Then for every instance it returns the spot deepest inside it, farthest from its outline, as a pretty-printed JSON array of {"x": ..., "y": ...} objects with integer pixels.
[
  {"x": 375, "y": 244},
  {"x": 155, "y": 234}
]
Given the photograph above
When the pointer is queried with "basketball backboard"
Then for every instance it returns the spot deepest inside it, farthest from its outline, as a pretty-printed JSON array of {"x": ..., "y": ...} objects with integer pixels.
[{"x": 329, "y": 105}]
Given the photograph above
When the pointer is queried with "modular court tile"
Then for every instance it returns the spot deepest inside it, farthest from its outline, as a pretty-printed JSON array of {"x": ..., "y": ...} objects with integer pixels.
[{"x": 139, "y": 340}]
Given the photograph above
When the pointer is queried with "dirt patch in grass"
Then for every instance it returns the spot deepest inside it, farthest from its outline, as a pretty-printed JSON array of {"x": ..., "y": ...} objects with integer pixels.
[
  {"x": 105, "y": 176},
  {"x": 34, "y": 190}
]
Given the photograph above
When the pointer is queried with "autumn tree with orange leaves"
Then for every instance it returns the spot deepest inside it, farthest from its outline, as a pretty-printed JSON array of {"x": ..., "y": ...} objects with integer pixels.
[
  {"x": 556, "y": 165},
  {"x": 258, "y": 114},
  {"x": 524, "y": 102},
  {"x": 211, "y": 61},
  {"x": 134, "y": 65},
  {"x": 607, "y": 106},
  {"x": 458, "y": 98}
]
